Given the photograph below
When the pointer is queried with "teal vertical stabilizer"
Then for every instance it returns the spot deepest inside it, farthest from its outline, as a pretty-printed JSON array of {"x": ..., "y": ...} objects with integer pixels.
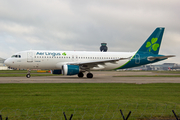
[
  {"x": 152, "y": 44},
  {"x": 150, "y": 48}
]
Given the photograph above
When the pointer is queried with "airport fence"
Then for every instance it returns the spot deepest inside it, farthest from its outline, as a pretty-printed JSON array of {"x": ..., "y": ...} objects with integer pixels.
[{"x": 139, "y": 111}]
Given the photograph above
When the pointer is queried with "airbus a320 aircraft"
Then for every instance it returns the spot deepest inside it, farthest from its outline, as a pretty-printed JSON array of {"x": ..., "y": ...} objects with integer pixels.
[{"x": 77, "y": 63}]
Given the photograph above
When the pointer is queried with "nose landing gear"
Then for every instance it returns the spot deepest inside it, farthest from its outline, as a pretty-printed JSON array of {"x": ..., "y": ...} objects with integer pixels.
[{"x": 28, "y": 74}]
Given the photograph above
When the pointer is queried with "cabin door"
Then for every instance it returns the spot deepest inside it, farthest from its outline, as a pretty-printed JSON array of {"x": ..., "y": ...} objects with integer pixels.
[{"x": 29, "y": 56}]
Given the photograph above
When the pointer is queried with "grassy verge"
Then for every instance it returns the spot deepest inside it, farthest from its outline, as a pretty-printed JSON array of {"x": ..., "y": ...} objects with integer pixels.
[
  {"x": 88, "y": 99},
  {"x": 16, "y": 71},
  {"x": 169, "y": 72},
  {"x": 148, "y": 76},
  {"x": 23, "y": 75}
]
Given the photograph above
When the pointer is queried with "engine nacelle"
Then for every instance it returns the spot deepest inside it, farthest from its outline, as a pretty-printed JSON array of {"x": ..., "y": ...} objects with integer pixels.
[
  {"x": 70, "y": 69},
  {"x": 56, "y": 71}
]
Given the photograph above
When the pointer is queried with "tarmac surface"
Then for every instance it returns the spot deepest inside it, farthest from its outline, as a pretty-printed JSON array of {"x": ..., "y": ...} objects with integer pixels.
[{"x": 99, "y": 77}]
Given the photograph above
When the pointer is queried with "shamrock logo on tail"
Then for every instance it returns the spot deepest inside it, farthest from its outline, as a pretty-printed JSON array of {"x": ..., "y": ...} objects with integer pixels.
[{"x": 152, "y": 45}]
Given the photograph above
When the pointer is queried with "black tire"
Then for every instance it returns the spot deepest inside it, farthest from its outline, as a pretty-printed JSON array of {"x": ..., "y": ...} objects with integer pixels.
[
  {"x": 89, "y": 75},
  {"x": 28, "y": 75},
  {"x": 80, "y": 75}
]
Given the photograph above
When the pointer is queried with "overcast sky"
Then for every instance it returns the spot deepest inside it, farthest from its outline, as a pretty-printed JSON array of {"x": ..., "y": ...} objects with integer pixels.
[{"x": 83, "y": 24}]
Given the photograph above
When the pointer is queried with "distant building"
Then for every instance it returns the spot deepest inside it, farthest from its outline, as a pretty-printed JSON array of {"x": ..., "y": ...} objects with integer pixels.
[
  {"x": 2, "y": 65},
  {"x": 163, "y": 67}
]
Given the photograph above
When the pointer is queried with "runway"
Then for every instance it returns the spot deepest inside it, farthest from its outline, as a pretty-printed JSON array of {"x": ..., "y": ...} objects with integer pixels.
[{"x": 99, "y": 77}]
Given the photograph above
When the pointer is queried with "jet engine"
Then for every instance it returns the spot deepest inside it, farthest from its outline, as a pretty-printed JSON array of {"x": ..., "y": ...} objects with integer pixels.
[
  {"x": 70, "y": 69},
  {"x": 56, "y": 71}
]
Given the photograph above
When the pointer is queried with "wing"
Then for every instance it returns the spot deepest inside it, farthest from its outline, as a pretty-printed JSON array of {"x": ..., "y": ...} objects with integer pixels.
[
  {"x": 90, "y": 64},
  {"x": 160, "y": 57}
]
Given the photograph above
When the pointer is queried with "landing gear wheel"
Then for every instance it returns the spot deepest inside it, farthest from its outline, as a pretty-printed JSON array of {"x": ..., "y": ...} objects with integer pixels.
[
  {"x": 28, "y": 75},
  {"x": 80, "y": 75},
  {"x": 89, "y": 75}
]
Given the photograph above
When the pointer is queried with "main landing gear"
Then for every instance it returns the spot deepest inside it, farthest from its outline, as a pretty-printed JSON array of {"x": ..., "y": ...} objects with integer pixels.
[
  {"x": 80, "y": 75},
  {"x": 89, "y": 75},
  {"x": 28, "y": 74}
]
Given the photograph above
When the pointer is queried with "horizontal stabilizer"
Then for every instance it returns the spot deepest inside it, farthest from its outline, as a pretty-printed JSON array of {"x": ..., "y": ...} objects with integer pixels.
[{"x": 159, "y": 57}]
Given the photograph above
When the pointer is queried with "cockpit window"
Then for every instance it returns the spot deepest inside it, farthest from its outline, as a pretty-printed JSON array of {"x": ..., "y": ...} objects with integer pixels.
[
  {"x": 13, "y": 56},
  {"x": 16, "y": 56}
]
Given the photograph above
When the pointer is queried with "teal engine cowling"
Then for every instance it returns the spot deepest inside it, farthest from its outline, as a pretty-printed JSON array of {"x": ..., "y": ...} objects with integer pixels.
[
  {"x": 70, "y": 69},
  {"x": 56, "y": 71}
]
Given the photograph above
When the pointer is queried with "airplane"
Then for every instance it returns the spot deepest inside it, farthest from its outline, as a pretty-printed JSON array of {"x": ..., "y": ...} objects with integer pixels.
[{"x": 79, "y": 62}]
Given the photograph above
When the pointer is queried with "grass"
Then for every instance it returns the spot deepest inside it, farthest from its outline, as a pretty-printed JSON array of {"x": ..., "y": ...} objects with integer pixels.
[
  {"x": 16, "y": 71},
  {"x": 148, "y": 76},
  {"x": 88, "y": 101},
  {"x": 22, "y": 73},
  {"x": 87, "y": 96},
  {"x": 169, "y": 72}
]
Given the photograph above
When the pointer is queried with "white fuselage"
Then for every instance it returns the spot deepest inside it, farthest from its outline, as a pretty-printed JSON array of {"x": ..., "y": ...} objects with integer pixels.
[{"x": 38, "y": 59}]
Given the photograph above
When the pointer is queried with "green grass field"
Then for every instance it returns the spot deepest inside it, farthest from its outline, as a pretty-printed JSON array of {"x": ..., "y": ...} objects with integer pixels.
[
  {"x": 22, "y": 73},
  {"x": 88, "y": 101},
  {"x": 140, "y": 98}
]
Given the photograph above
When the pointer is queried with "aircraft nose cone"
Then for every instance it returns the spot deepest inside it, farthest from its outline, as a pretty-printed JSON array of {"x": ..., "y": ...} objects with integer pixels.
[{"x": 6, "y": 62}]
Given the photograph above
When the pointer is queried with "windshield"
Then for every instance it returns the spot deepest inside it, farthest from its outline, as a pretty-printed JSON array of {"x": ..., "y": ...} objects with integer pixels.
[{"x": 16, "y": 56}]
